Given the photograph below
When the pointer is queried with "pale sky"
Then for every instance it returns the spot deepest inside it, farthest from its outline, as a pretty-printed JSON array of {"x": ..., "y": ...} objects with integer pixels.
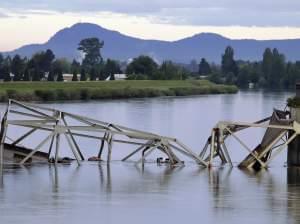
[{"x": 35, "y": 21}]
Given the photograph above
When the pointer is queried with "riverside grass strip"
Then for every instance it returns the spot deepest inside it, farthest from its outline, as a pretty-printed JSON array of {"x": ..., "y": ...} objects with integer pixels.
[{"x": 61, "y": 91}]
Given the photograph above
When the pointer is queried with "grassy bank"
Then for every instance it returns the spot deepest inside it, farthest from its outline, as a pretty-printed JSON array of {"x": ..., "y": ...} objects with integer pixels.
[{"x": 52, "y": 91}]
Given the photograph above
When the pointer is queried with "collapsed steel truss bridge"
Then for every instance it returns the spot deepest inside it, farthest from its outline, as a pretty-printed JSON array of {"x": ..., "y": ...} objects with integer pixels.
[
  {"x": 31, "y": 118},
  {"x": 60, "y": 124}
]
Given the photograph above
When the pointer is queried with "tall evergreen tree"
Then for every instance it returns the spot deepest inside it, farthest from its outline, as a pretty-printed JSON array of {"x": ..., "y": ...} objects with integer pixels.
[
  {"x": 26, "y": 75},
  {"x": 1, "y": 66},
  {"x": 278, "y": 68},
  {"x": 1, "y": 59},
  {"x": 111, "y": 67},
  {"x": 82, "y": 75},
  {"x": 6, "y": 73},
  {"x": 267, "y": 64},
  {"x": 74, "y": 77},
  {"x": 60, "y": 77},
  {"x": 17, "y": 67},
  {"x": 228, "y": 63},
  {"x": 204, "y": 67},
  {"x": 36, "y": 75},
  {"x": 93, "y": 74},
  {"x": 50, "y": 76},
  {"x": 6, "y": 69}
]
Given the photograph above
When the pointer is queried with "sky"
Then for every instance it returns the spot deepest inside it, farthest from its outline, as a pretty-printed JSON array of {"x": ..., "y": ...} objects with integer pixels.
[{"x": 35, "y": 21}]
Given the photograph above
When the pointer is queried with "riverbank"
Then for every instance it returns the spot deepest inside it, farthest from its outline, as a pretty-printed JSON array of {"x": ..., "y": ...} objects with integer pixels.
[{"x": 52, "y": 91}]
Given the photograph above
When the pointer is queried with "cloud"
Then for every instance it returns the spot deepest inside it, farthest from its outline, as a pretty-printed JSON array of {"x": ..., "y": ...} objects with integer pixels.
[
  {"x": 187, "y": 12},
  {"x": 3, "y": 15}
]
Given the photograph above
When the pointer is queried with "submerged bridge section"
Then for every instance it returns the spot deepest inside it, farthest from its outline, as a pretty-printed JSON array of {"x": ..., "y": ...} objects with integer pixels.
[
  {"x": 280, "y": 132},
  {"x": 56, "y": 124}
]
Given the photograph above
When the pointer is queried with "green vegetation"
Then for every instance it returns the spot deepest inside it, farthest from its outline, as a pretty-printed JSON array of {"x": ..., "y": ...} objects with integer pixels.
[
  {"x": 272, "y": 72},
  {"x": 293, "y": 102},
  {"x": 51, "y": 91}
]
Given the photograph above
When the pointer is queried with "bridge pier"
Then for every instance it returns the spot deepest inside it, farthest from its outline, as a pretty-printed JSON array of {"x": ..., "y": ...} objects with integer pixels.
[{"x": 293, "y": 155}]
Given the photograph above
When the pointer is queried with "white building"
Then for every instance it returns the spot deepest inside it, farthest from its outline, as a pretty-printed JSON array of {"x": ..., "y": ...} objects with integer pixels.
[{"x": 118, "y": 77}]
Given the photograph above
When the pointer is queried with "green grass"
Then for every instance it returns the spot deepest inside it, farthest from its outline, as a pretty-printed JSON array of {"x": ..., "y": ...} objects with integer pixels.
[{"x": 52, "y": 91}]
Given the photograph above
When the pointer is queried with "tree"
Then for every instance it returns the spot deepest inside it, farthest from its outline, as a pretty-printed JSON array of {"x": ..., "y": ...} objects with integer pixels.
[
  {"x": 230, "y": 78},
  {"x": 58, "y": 68},
  {"x": 82, "y": 75},
  {"x": 267, "y": 63},
  {"x": 75, "y": 68},
  {"x": 93, "y": 74},
  {"x": 278, "y": 69},
  {"x": 42, "y": 63},
  {"x": 204, "y": 67},
  {"x": 60, "y": 77},
  {"x": 47, "y": 59},
  {"x": 1, "y": 59},
  {"x": 112, "y": 77},
  {"x": 17, "y": 67},
  {"x": 1, "y": 66},
  {"x": 51, "y": 76},
  {"x": 91, "y": 49},
  {"x": 26, "y": 75},
  {"x": 61, "y": 64},
  {"x": 255, "y": 73},
  {"x": 168, "y": 70},
  {"x": 143, "y": 65},
  {"x": 36, "y": 75},
  {"x": 228, "y": 63},
  {"x": 243, "y": 77},
  {"x": 111, "y": 67},
  {"x": 6, "y": 65},
  {"x": 74, "y": 77},
  {"x": 193, "y": 66},
  {"x": 292, "y": 75},
  {"x": 215, "y": 77},
  {"x": 6, "y": 73}
]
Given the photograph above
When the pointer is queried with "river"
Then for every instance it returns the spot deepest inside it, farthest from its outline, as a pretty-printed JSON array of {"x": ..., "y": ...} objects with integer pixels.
[{"x": 128, "y": 193}]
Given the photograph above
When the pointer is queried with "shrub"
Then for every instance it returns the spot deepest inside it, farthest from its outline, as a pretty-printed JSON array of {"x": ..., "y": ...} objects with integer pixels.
[{"x": 45, "y": 95}]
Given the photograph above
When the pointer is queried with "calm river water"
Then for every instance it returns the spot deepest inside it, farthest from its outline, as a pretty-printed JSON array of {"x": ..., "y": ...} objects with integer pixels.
[{"x": 126, "y": 193}]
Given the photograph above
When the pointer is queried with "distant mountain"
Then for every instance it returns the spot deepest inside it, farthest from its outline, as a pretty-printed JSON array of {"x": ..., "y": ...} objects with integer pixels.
[{"x": 121, "y": 47}]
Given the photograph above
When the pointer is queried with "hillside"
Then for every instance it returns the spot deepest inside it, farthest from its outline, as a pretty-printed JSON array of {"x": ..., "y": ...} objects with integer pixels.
[{"x": 122, "y": 47}]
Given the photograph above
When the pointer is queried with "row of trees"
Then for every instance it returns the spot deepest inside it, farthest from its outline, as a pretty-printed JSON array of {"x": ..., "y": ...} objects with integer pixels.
[
  {"x": 272, "y": 72},
  {"x": 144, "y": 67},
  {"x": 44, "y": 66}
]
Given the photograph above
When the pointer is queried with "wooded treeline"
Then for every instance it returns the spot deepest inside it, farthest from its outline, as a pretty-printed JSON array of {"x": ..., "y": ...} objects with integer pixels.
[{"x": 273, "y": 71}]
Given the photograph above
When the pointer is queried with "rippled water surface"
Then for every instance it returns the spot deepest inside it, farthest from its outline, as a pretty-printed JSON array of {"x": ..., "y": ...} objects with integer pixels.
[{"x": 128, "y": 193}]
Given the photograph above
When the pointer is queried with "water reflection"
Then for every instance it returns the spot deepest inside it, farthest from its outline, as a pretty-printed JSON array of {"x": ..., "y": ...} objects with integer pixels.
[
  {"x": 105, "y": 177},
  {"x": 1, "y": 177},
  {"x": 223, "y": 194},
  {"x": 125, "y": 193},
  {"x": 293, "y": 179},
  {"x": 219, "y": 185}
]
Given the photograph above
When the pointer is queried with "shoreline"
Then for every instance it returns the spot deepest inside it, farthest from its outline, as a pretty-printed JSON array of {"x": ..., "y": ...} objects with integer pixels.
[{"x": 78, "y": 91}]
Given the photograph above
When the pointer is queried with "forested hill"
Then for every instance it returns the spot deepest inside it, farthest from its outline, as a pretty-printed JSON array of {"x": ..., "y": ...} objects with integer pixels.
[{"x": 121, "y": 47}]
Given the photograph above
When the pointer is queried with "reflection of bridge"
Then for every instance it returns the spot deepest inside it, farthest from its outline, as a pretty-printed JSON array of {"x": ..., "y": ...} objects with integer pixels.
[{"x": 57, "y": 125}]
